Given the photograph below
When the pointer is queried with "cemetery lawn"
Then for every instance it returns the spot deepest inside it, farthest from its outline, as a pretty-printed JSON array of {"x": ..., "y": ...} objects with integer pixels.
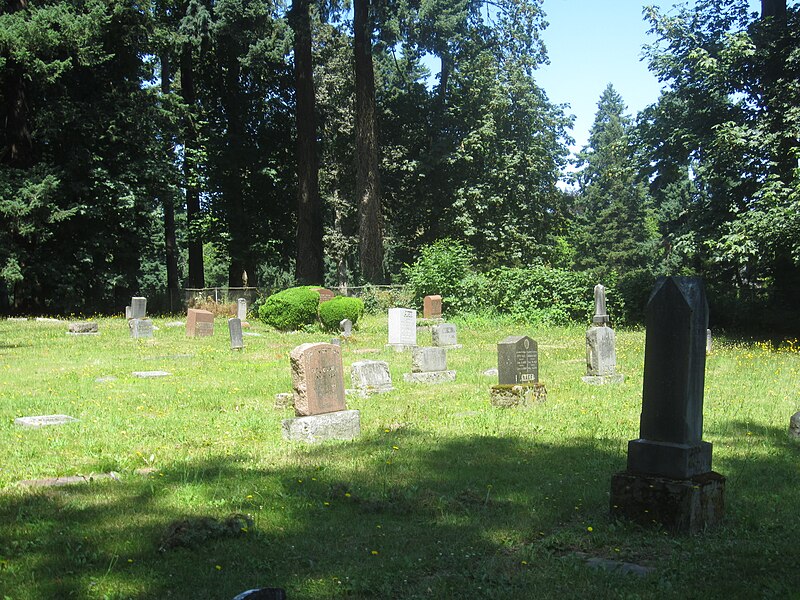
[{"x": 442, "y": 496}]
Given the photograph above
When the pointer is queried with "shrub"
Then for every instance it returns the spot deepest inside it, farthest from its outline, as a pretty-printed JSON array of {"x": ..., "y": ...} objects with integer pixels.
[
  {"x": 378, "y": 300},
  {"x": 440, "y": 268},
  {"x": 290, "y": 309},
  {"x": 333, "y": 311}
]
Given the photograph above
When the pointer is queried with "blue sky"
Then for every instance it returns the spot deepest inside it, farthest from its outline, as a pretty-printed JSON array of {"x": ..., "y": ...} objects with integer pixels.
[{"x": 592, "y": 43}]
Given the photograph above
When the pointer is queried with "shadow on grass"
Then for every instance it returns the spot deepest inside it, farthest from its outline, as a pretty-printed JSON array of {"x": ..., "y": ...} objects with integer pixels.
[{"x": 396, "y": 515}]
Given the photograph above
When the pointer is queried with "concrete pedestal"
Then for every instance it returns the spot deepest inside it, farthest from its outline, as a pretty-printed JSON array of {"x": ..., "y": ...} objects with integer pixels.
[
  {"x": 508, "y": 396},
  {"x": 430, "y": 377},
  {"x": 339, "y": 425},
  {"x": 603, "y": 379},
  {"x": 679, "y": 505}
]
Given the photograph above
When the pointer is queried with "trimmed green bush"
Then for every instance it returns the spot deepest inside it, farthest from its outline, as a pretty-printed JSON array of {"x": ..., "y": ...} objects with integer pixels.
[
  {"x": 333, "y": 311},
  {"x": 290, "y": 309}
]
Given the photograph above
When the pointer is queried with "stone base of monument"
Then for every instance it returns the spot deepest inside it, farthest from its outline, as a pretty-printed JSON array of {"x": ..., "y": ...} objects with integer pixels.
[
  {"x": 339, "y": 425},
  {"x": 400, "y": 347},
  {"x": 524, "y": 394},
  {"x": 430, "y": 377},
  {"x": 603, "y": 379},
  {"x": 678, "y": 505},
  {"x": 451, "y": 347}
]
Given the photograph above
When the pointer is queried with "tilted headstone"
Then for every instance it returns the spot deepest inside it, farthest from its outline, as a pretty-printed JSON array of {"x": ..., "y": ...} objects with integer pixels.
[
  {"x": 141, "y": 328},
  {"x": 199, "y": 323},
  {"x": 235, "y": 329},
  {"x": 371, "y": 376},
  {"x": 317, "y": 379},
  {"x": 669, "y": 478},
  {"x": 138, "y": 307},
  {"x": 517, "y": 360},
  {"x": 402, "y": 328},
  {"x": 83, "y": 327},
  {"x": 600, "y": 314},
  {"x": 429, "y": 365},
  {"x": 346, "y": 328},
  {"x": 241, "y": 309},
  {"x": 444, "y": 336},
  {"x": 432, "y": 307},
  {"x": 325, "y": 295}
]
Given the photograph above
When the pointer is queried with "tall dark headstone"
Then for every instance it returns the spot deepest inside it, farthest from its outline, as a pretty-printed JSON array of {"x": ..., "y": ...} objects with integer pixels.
[{"x": 669, "y": 478}]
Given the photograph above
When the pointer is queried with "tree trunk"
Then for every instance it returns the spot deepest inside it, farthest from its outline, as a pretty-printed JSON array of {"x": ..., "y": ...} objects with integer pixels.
[
  {"x": 309, "y": 268},
  {"x": 168, "y": 204},
  {"x": 19, "y": 146},
  {"x": 367, "y": 174},
  {"x": 773, "y": 8},
  {"x": 195, "y": 246}
]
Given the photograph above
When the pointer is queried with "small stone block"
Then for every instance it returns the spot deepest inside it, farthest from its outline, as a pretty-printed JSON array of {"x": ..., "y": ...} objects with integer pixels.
[
  {"x": 340, "y": 425},
  {"x": 371, "y": 377},
  {"x": 151, "y": 374},
  {"x": 428, "y": 358},
  {"x": 430, "y": 377},
  {"x": 794, "y": 426},
  {"x": 508, "y": 396},
  {"x": 679, "y": 505},
  {"x": 44, "y": 421},
  {"x": 603, "y": 379},
  {"x": 83, "y": 327},
  {"x": 400, "y": 347},
  {"x": 141, "y": 328}
]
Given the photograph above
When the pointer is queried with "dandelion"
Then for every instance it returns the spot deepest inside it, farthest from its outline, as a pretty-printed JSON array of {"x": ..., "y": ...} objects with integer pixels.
[
  {"x": 374, "y": 553},
  {"x": 347, "y": 494},
  {"x": 524, "y": 562},
  {"x": 589, "y": 529},
  {"x": 326, "y": 504},
  {"x": 395, "y": 448},
  {"x": 130, "y": 560},
  {"x": 218, "y": 567}
]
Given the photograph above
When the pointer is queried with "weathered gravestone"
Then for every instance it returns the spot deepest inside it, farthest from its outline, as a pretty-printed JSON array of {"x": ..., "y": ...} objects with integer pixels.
[
  {"x": 600, "y": 315},
  {"x": 402, "y": 329},
  {"x": 235, "y": 329},
  {"x": 325, "y": 295},
  {"x": 138, "y": 308},
  {"x": 432, "y": 307},
  {"x": 794, "y": 426},
  {"x": 371, "y": 377},
  {"x": 669, "y": 480},
  {"x": 444, "y": 336},
  {"x": 83, "y": 328},
  {"x": 346, "y": 328},
  {"x": 429, "y": 365},
  {"x": 199, "y": 323},
  {"x": 241, "y": 309},
  {"x": 141, "y": 328},
  {"x": 150, "y": 374},
  {"x": 318, "y": 385},
  {"x": 43, "y": 421},
  {"x": 17, "y": 319},
  {"x": 517, "y": 373},
  {"x": 708, "y": 341}
]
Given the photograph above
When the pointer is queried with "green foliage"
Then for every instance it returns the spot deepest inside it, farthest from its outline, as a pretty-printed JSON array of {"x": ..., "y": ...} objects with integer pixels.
[
  {"x": 333, "y": 311},
  {"x": 542, "y": 295},
  {"x": 439, "y": 269},
  {"x": 290, "y": 309},
  {"x": 378, "y": 300}
]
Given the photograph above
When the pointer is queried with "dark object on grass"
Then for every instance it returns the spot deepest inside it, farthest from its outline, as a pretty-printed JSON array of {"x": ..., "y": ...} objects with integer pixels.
[
  {"x": 192, "y": 532},
  {"x": 262, "y": 594}
]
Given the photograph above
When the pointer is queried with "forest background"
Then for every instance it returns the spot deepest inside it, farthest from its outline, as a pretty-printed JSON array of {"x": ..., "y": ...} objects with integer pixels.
[{"x": 149, "y": 147}]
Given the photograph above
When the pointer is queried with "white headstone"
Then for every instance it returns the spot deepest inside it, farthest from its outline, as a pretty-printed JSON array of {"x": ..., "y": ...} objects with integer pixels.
[
  {"x": 138, "y": 307},
  {"x": 403, "y": 326},
  {"x": 241, "y": 309}
]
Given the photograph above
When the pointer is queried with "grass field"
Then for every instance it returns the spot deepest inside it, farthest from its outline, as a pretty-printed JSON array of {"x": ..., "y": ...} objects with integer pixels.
[{"x": 442, "y": 496}]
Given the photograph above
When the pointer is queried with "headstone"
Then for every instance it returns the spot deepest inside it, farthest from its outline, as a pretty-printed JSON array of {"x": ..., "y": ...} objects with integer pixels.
[
  {"x": 708, "y": 341},
  {"x": 235, "y": 329},
  {"x": 47, "y": 320},
  {"x": 601, "y": 357},
  {"x": 429, "y": 365},
  {"x": 141, "y": 328},
  {"x": 317, "y": 379},
  {"x": 600, "y": 314},
  {"x": 794, "y": 426},
  {"x": 138, "y": 307},
  {"x": 241, "y": 309},
  {"x": 83, "y": 327},
  {"x": 325, "y": 295},
  {"x": 346, "y": 328},
  {"x": 150, "y": 374},
  {"x": 336, "y": 341},
  {"x": 128, "y": 312},
  {"x": 517, "y": 360},
  {"x": 371, "y": 376},
  {"x": 669, "y": 478},
  {"x": 402, "y": 329},
  {"x": 43, "y": 421},
  {"x": 199, "y": 323},
  {"x": 432, "y": 307},
  {"x": 17, "y": 319},
  {"x": 444, "y": 336}
]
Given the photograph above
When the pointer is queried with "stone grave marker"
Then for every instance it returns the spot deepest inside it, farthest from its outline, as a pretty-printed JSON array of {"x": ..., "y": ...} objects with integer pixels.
[
  {"x": 517, "y": 373},
  {"x": 138, "y": 307},
  {"x": 325, "y": 295},
  {"x": 336, "y": 341},
  {"x": 319, "y": 398},
  {"x": 371, "y": 377},
  {"x": 17, "y": 319},
  {"x": 83, "y": 328},
  {"x": 708, "y": 341},
  {"x": 600, "y": 314},
  {"x": 199, "y": 323},
  {"x": 241, "y": 309},
  {"x": 346, "y": 328},
  {"x": 601, "y": 357},
  {"x": 44, "y": 421},
  {"x": 150, "y": 374},
  {"x": 429, "y": 365},
  {"x": 47, "y": 320},
  {"x": 128, "y": 312},
  {"x": 444, "y": 336},
  {"x": 402, "y": 329},
  {"x": 669, "y": 478},
  {"x": 141, "y": 328},
  {"x": 432, "y": 307},
  {"x": 235, "y": 329},
  {"x": 794, "y": 426}
]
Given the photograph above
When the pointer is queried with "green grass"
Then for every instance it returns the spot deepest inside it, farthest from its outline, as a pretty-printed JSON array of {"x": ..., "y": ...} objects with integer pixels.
[{"x": 442, "y": 496}]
